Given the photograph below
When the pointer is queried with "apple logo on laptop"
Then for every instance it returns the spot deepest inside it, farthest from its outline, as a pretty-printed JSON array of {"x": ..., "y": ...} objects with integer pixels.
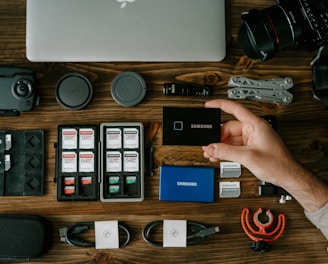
[{"x": 124, "y": 2}]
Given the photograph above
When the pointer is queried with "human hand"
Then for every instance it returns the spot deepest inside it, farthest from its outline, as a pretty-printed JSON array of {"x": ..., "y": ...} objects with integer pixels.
[{"x": 251, "y": 141}]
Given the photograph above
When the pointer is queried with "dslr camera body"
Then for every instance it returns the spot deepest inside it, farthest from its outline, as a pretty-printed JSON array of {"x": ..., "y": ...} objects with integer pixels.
[
  {"x": 18, "y": 91},
  {"x": 265, "y": 32}
]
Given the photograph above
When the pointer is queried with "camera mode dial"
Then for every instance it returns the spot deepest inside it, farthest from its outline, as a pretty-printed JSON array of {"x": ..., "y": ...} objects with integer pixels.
[{"x": 23, "y": 88}]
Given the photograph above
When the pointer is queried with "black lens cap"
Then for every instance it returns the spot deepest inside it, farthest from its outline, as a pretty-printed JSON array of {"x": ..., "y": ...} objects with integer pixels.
[
  {"x": 128, "y": 88},
  {"x": 73, "y": 91}
]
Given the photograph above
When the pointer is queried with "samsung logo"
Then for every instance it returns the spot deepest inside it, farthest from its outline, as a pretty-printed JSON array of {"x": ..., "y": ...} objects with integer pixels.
[
  {"x": 187, "y": 184},
  {"x": 201, "y": 126}
]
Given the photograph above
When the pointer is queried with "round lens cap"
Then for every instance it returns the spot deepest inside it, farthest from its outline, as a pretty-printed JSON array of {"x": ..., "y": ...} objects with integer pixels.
[
  {"x": 73, "y": 91},
  {"x": 128, "y": 89}
]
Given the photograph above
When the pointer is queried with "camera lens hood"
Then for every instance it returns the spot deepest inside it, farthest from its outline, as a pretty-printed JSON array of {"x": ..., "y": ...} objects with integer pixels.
[
  {"x": 263, "y": 33},
  {"x": 255, "y": 37}
]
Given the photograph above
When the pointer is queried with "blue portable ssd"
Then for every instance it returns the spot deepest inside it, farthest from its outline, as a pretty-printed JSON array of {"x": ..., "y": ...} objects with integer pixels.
[{"x": 186, "y": 184}]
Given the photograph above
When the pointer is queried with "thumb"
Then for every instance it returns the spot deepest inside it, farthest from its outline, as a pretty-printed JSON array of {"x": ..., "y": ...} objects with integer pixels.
[{"x": 224, "y": 151}]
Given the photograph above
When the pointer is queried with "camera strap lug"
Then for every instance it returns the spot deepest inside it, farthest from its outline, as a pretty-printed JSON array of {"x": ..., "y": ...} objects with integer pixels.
[{"x": 265, "y": 90}]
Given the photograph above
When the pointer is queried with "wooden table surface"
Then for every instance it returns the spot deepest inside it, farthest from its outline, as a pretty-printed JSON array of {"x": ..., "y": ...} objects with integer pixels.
[{"x": 302, "y": 125}]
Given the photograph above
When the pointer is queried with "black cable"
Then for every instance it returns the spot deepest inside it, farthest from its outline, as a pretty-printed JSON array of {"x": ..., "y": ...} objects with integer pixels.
[
  {"x": 69, "y": 235},
  {"x": 196, "y": 233}
]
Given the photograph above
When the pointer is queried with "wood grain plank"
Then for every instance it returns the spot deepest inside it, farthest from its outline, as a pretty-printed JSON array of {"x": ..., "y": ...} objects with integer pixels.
[{"x": 302, "y": 125}]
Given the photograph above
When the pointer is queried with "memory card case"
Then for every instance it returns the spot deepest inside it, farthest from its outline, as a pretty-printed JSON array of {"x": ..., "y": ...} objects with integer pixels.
[
  {"x": 100, "y": 162},
  {"x": 21, "y": 162}
]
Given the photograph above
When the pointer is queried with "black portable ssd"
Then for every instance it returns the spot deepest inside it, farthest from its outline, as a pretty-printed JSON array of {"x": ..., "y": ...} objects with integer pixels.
[{"x": 191, "y": 126}]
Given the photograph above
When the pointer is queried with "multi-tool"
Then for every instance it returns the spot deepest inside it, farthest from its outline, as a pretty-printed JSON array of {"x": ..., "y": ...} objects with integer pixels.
[{"x": 265, "y": 90}]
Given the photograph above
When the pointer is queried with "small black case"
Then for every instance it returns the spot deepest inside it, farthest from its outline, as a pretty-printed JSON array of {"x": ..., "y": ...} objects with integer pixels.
[{"x": 22, "y": 237}]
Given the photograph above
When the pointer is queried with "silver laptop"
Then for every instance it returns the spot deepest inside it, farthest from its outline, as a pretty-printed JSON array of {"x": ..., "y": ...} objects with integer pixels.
[{"x": 125, "y": 30}]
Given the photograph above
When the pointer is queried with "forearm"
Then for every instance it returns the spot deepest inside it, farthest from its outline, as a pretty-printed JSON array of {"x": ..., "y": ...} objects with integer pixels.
[
  {"x": 307, "y": 189},
  {"x": 312, "y": 194}
]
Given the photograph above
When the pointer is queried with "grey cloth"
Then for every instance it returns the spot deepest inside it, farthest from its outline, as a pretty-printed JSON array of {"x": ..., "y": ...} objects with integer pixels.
[{"x": 320, "y": 219}]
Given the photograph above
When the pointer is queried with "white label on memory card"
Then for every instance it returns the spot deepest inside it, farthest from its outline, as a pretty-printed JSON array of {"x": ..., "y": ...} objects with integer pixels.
[
  {"x": 8, "y": 141},
  {"x": 87, "y": 138},
  {"x": 131, "y": 161},
  {"x": 230, "y": 169},
  {"x": 113, "y": 161},
  {"x": 229, "y": 189},
  {"x": 69, "y": 162},
  {"x": 69, "y": 138},
  {"x": 7, "y": 162},
  {"x": 113, "y": 138},
  {"x": 87, "y": 162},
  {"x": 131, "y": 138}
]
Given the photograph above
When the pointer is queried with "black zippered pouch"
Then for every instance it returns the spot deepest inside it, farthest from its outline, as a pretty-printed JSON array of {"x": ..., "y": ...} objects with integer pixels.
[{"x": 22, "y": 237}]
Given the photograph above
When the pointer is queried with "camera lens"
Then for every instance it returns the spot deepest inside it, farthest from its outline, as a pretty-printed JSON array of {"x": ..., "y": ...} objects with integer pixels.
[
  {"x": 23, "y": 88},
  {"x": 265, "y": 32}
]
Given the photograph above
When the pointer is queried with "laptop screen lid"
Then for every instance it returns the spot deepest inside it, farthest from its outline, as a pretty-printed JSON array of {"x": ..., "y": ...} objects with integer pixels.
[{"x": 125, "y": 30}]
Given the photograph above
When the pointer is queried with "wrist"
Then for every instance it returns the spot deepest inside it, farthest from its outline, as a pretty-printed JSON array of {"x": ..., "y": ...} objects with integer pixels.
[{"x": 307, "y": 189}]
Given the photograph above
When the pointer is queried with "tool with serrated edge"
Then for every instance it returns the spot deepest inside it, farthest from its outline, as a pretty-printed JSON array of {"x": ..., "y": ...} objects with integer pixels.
[{"x": 266, "y": 90}]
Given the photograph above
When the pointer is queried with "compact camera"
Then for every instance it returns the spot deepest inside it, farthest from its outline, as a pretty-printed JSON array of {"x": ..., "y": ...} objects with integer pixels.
[
  {"x": 265, "y": 32},
  {"x": 18, "y": 91}
]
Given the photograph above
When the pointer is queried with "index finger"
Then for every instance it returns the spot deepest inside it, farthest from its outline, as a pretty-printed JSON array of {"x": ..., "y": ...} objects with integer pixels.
[{"x": 231, "y": 107}]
